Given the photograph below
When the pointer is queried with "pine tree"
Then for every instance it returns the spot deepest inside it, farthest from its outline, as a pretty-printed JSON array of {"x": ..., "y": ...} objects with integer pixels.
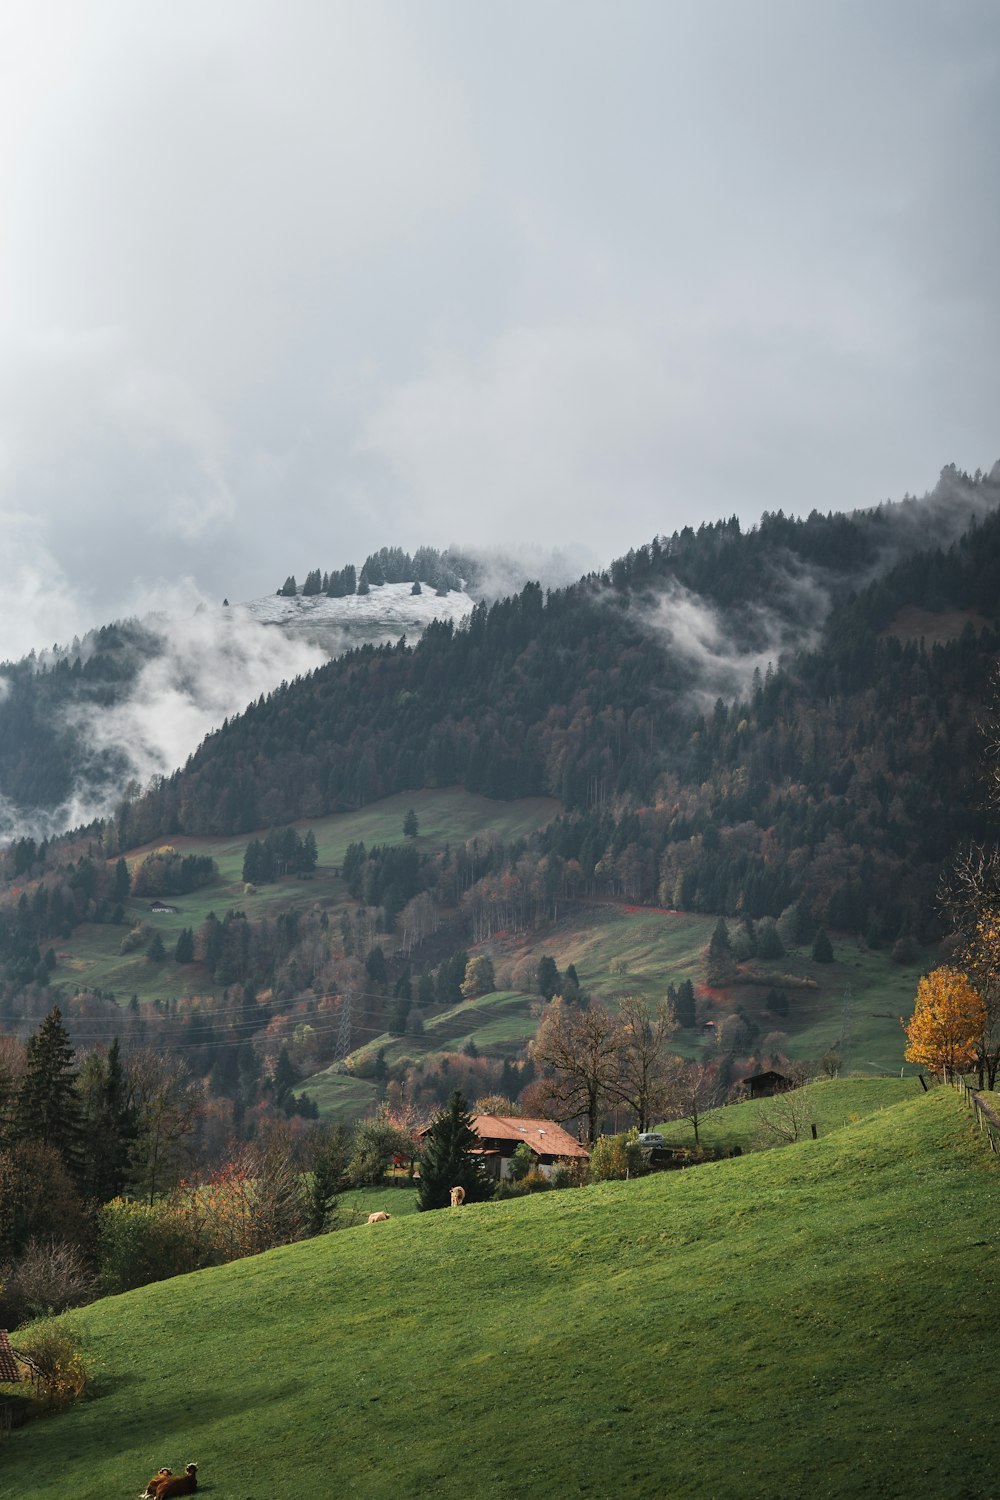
[
  {"x": 548, "y": 976},
  {"x": 411, "y": 824},
  {"x": 447, "y": 1159},
  {"x": 308, "y": 854},
  {"x": 719, "y": 964},
  {"x": 184, "y": 948},
  {"x": 122, "y": 882},
  {"x": 48, "y": 1104},
  {"x": 822, "y": 949},
  {"x": 375, "y": 967},
  {"x": 109, "y": 1124},
  {"x": 684, "y": 1006}
]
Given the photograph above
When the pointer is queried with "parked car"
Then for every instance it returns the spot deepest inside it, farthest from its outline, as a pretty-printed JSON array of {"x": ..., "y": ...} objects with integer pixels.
[{"x": 650, "y": 1138}]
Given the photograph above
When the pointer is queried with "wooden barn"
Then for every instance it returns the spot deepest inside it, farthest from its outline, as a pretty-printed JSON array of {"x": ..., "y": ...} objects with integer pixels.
[{"x": 763, "y": 1085}]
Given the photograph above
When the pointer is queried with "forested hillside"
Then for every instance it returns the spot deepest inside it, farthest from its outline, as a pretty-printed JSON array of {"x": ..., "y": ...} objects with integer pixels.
[
  {"x": 731, "y": 721},
  {"x": 79, "y": 722}
]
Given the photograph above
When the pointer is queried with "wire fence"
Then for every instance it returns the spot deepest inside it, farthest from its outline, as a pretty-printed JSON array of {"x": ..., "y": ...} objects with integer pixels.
[{"x": 989, "y": 1122}]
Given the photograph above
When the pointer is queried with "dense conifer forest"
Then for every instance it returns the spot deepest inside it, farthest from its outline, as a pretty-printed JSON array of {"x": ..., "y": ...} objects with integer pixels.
[{"x": 843, "y": 771}]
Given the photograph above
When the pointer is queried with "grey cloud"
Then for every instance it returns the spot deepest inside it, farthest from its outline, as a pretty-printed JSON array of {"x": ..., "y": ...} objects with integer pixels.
[{"x": 303, "y": 280}]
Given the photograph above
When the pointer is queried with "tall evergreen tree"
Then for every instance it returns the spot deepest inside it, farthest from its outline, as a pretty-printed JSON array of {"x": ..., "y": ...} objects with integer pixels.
[
  {"x": 109, "y": 1124},
  {"x": 48, "y": 1104},
  {"x": 308, "y": 854},
  {"x": 122, "y": 882},
  {"x": 822, "y": 948},
  {"x": 446, "y": 1160},
  {"x": 548, "y": 976},
  {"x": 719, "y": 964},
  {"x": 184, "y": 947},
  {"x": 684, "y": 1008}
]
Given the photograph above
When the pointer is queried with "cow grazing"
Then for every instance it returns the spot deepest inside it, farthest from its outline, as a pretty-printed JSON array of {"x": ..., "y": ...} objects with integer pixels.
[
  {"x": 179, "y": 1484},
  {"x": 457, "y": 1197},
  {"x": 377, "y": 1218}
]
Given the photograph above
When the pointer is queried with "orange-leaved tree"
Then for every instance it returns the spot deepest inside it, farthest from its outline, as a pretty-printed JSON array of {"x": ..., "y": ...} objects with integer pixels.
[{"x": 948, "y": 1022}]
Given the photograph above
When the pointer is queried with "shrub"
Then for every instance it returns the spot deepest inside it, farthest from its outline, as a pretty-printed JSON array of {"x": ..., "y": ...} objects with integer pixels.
[
  {"x": 138, "y": 937},
  {"x": 615, "y": 1157},
  {"x": 140, "y": 1243},
  {"x": 54, "y": 1352},
  {"x": 536, "y": 1182},
  {"x": 253, "y": 1202},
  {"x": 521, "y": 1163},
  {"x": 48, "y": 1277},
  {"x": 509, "y": 1188}
]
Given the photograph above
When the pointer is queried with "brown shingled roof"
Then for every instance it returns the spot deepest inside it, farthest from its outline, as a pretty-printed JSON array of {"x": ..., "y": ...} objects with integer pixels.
[
  {"x": 8, "y": 1364},
  {"x": 543, "y": 1136}
]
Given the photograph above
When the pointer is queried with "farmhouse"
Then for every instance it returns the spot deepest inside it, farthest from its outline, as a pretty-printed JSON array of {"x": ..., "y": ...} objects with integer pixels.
[{"x": 549, "y": 1142}]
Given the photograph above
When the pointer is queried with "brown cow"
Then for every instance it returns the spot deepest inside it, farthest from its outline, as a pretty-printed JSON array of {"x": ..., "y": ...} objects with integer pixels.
[
  {"x": 180, "y": 1484},
  {"x": 457, "y": 1197},
  {"x": 377, "y": 1218},
  {"x": 155, "y": 1482}
]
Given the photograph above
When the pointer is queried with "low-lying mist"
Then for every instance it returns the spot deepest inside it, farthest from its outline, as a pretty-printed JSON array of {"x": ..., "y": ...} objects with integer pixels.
[{"x": 194, "y": 671}]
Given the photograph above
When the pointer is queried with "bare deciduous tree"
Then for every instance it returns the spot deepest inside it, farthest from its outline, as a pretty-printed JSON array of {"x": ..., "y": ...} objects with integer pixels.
[
  {"x": 693, "y": 1091},
  {"x": 646, "y": 1070},
  {"x": 582, "y": 1048},
  {"x": 167, "y": 1104}
]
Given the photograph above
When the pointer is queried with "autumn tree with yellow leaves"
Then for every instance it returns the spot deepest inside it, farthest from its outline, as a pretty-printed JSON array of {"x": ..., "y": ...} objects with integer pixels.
[{"x": 948, "y": 1022}]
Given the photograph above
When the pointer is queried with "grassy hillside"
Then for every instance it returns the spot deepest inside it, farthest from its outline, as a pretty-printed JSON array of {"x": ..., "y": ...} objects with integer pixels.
[
  {"x": 802, "y": 1322},
  {"x": 621, "y": 950},
  {"x": 90, "y": 958},
  {"x": 828, "y": 1104}
]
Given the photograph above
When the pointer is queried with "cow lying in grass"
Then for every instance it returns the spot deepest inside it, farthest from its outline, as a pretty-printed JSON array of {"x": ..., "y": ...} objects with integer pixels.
[
  {"x": 377, "y": 1218},
  {"x": 164, "y": 1485},
  {"x": 154, "y": 1483}
]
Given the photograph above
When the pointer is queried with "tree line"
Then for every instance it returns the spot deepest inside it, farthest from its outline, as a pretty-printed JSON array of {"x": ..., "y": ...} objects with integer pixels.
[{"x": 443, "y": 571}]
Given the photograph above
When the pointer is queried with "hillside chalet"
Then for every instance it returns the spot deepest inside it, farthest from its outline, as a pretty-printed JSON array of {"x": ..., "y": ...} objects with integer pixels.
[{"x": 549, "y": 1142}]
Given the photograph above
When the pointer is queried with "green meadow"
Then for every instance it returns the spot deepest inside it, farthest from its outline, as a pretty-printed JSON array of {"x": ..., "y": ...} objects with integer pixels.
[
  {"x": 829, "y": 1104},
  {"x": 621, "y": 950},
  {"x": 809, "y": 1321}
]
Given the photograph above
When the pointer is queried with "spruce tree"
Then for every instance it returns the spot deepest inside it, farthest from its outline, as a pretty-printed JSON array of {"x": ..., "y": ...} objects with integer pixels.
[
  {"x": 684, "y": 1007},
  {"x": 109, "y": 1124},
  {"x": 48, "y": 1105},
  {"x": 719, "y": 965},
  {"x": 446, "y": 1160},
  {"x": 548, "y": 976},
  {"x": 822, "y": 949}
]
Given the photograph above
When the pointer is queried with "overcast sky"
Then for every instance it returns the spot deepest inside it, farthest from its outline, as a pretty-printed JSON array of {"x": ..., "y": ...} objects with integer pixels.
[{"x": 282, "y": 281}]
